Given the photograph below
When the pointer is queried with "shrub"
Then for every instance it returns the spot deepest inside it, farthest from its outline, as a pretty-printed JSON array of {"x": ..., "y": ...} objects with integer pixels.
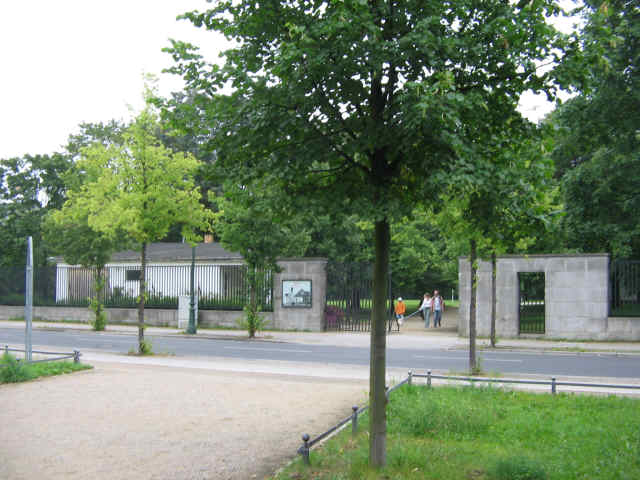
[
  {"x": 252, "y": 321},
  {"x": 12, "y": 370}
]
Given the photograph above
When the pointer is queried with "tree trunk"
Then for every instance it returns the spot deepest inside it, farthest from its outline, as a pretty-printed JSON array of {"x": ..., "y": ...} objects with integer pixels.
[
  {"x": 472, "y": 310},
  {"x": 143, "y": 291},
  {"x": 377, "y": 363},
  {"x": 493, "y": 299}
]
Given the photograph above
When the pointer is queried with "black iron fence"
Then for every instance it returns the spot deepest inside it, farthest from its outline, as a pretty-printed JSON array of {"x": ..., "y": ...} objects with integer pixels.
[
  {"x": 350, "y": 298},
  {"x": 624, "y": 288},
  {"x": 218, "y": 287}
]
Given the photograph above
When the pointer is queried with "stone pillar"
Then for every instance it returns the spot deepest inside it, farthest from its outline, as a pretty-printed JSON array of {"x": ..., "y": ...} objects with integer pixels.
[{"x": 292, "y": 309}]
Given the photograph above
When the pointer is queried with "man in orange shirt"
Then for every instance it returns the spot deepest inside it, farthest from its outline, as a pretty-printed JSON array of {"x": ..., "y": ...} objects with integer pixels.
[{"x": 400, "y": 309}]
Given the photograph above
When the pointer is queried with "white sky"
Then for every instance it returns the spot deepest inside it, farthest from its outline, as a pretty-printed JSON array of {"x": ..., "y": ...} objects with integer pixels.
[{"x": 64, "y": 62}]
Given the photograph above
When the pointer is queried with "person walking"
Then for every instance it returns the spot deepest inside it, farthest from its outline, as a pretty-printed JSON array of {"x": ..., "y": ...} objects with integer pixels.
[
  {"x": 437, "y": 306},
  {"x": 400, "y": 310},
  {"x": 426, "y": 309}
]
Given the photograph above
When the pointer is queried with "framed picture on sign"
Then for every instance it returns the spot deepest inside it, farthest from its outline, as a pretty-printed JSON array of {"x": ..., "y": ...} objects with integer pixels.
[{"x": 296, "y": 293}]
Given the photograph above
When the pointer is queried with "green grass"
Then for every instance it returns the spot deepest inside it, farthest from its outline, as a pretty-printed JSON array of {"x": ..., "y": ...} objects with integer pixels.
[
  {"x": 13, "y": 371},
  {"x": 489, "y": 434}
]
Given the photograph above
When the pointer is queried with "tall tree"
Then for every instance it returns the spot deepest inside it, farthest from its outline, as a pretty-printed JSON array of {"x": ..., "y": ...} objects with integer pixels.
[
  {"x": 353, "y": 104},
  {"x": 501, "y": 210},
  {"x": 141, "y": 188},
  {"x": 597, "y": 141}
]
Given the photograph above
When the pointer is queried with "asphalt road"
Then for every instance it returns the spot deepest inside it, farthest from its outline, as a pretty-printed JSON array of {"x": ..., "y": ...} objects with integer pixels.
[{"x": 543, "y": 363}]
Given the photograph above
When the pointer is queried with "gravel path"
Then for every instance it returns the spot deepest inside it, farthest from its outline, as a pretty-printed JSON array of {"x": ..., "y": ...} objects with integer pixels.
[{"x": 123, "y": 421}]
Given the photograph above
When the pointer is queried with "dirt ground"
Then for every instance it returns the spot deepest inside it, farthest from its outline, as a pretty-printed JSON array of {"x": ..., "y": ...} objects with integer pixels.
[{"x": 123, "y": 421}]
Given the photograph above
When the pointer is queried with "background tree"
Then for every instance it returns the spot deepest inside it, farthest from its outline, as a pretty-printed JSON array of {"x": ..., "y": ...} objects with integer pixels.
[
  {"x": 67, "y": 229},
  {"x": 597, "y": 150},
  {"x": 30, "y": 187},
  {"x": 501, "y": 209},
  {"x": 141, "y": 188},
  {"x": 252, "y": 221},
  {"x": 352, "y": 106}
]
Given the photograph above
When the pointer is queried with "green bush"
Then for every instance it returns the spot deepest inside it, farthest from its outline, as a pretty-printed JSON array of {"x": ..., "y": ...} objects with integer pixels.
[
  {"x": 13, "y": 371},
  {"x": 252, "y": 322},
  {"x": 517, "y": 468},
  {"x": 146, "y": 348}
]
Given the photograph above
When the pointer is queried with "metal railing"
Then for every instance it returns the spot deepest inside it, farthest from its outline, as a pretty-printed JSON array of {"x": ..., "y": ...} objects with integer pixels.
[
  {"x": 219, "y": 286},
  {"x": 308, "y": 443},
  {"x": 75, "y": 355}
]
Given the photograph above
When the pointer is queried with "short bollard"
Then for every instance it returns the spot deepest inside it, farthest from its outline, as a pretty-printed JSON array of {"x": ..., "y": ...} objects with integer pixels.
[
  {"x": 354, "y": 420},
  {"x": 304, "y": 449},
  {"x": 429, "y": 379},
  {"x": 76, "y": 356},
  {"x": 410, "y": 377},
  {"x": 553, "y": 385}
]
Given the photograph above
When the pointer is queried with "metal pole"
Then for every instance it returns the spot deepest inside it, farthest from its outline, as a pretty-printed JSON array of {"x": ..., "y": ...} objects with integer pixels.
[
  {"x": 304, "y": 449},
  {"x": 354, "y": 420},
  {"x": 28, "y": 306},
  {"x": 192, "y": 306}
]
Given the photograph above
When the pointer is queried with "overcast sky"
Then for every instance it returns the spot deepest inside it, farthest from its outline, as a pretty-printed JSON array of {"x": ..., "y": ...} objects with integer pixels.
[{"x": 70, "y": 61}]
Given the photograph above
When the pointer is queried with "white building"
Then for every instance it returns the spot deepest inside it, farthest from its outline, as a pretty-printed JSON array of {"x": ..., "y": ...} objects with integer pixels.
[{"x": 218, "y": 273}]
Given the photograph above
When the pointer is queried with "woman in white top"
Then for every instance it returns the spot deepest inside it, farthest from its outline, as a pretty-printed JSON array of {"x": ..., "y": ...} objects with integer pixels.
[{"x": 426, "y": 309}]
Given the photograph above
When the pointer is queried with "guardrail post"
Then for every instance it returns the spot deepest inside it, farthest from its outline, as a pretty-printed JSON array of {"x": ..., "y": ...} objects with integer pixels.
[
  {"x": 304, "y": 449},
  {"x": 553, "y": 385},
  {"x": 6, "y": 349},
  {"x": 386, "y": 392},
  {"x": 429, "y": 379},
  {"x": 76, "y": 356},
  {"x": 354, "y": 420},
  {"x": 410, "y": 377}
]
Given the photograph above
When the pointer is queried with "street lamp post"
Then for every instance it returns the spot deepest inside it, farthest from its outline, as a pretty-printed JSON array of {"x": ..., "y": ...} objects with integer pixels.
[{"x": 192, "y": 305}]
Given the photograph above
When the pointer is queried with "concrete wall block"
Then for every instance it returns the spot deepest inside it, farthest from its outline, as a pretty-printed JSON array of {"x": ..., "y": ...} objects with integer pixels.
[
  {"x": 9, "y": 312},
  {"x": 316, "y": 267},
  {"x": 484, "y": 266},
  {"x": 576, "y": 264},
  {"x": 463, "y": 265},
  {"x": 624, "y": 328},
  {"x": 598, "y": 264},
  {"x": 566, "y": 279},
  {"x": 506, "y": 265},
  {"x": 506, "y": 280},
  {"x": 554, "y": 264}
]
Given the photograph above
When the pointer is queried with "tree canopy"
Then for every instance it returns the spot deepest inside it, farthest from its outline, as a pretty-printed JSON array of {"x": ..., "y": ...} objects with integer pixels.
[
  {"x": 355, "y": 105},
  {"x": 597, "y": 150}
]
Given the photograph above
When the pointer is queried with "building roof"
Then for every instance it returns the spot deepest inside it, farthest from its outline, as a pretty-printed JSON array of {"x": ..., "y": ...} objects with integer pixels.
[{"x": 163, "y": 252}]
